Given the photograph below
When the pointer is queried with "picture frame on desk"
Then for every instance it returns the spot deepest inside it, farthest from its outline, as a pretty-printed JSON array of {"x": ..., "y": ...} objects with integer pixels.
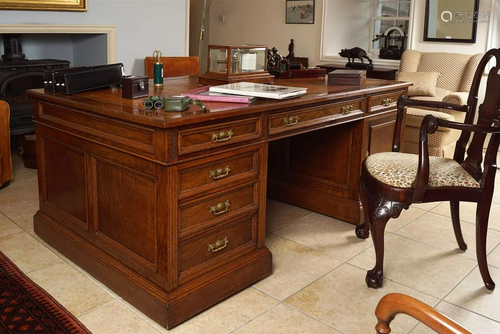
[{"x": 300, "y": 11}]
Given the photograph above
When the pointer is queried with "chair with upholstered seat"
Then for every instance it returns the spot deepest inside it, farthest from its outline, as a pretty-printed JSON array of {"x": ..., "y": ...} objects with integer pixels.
[
  {"x": 173, "y": 66},
  {"x": 392, "y": 181},
  {"x": 5, "y": 155}
]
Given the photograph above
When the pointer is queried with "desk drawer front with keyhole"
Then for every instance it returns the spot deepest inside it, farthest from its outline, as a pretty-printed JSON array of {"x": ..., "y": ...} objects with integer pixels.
[
  {"x": 289, "y": 121},
  {"x": 222, "y": 134},
  {"x": 219, "y": 171},
  {"x": 212, "y": 209},
  {"x": 383, "y": 101},
  {"x": 214, "y": 248}
]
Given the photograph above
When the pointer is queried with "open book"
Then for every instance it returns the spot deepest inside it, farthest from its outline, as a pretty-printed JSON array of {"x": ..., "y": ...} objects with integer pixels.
[{"x": 259, "y": 90}]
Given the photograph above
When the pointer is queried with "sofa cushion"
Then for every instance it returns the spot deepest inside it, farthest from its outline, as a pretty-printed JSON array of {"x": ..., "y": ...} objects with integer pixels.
[
  {"x": 415, "y": 116},
  {"x": 424, "y": 83}
]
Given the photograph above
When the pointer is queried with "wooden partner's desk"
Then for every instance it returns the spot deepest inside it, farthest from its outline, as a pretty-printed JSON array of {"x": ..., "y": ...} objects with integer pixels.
[{"x": 168, "y": 209}]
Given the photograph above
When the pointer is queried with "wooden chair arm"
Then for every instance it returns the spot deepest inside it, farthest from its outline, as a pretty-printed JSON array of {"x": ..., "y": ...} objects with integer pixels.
[
  {"x": 404, "y": 102},
  {"x": 395, "y": 303}
]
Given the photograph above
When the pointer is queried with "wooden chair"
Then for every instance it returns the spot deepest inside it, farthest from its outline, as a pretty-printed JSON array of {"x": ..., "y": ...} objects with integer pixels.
[
  {"x": 392, "y": 181},
  {"x": 173, "y": 66},
  {"x": 393, "y": 304},
  {"x": 5, "y": 154}
]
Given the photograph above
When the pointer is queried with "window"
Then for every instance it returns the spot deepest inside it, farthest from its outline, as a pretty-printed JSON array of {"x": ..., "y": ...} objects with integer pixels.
[{"x": 387, "y": 14}]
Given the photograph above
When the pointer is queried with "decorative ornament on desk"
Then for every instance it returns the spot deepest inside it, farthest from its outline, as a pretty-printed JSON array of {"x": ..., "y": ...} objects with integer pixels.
[
  {"x": 352, "y": 55},
  {"x": 158, "y": 69}
]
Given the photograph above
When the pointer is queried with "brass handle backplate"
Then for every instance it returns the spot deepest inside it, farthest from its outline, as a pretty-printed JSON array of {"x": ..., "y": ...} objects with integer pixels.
[
  {"x": 219, "y": 208},
  {"x": 289, "y": 121},
  {"x": 219, "y": 173},
  {"x": 387, "y": 101},
  {"x": 218, "y": 245},
  {"x": 347, "y": 109},
  {"x": 222, "y": 136}
]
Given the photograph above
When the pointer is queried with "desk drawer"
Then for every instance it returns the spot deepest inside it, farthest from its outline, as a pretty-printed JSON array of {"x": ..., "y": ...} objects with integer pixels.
[
  {"x": 383, "y": 101},
  {"x": 219, "y": 244},
  {"x": 222, "y": 205},
  {"x": 218, "y": 172},
  {"x": 225, "y": 133},
  {"x": 287, "y": 121}
]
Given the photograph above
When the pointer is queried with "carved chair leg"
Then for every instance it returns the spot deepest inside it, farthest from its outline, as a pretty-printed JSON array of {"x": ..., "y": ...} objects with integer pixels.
[
  {"x": 482, "y": 215},
  {"x": 379, "y": 213},
  {"x": 455, "y": 219}
]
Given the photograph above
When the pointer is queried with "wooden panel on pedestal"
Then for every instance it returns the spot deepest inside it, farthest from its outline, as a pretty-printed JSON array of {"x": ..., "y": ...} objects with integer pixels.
[
  {"x": 120, "y": 219},
  {"x": 64, "y": 182}
]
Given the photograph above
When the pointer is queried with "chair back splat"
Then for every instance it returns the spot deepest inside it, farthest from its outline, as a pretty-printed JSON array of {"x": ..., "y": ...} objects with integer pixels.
[{"x": 392, "y": 181}]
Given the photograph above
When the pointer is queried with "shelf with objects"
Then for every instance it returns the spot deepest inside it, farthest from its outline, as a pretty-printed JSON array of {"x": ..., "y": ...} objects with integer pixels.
[{"x": 290, "y": 67}]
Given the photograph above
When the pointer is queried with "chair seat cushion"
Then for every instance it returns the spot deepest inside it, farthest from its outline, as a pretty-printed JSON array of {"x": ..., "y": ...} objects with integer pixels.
[{"x": 399, "y": 170}]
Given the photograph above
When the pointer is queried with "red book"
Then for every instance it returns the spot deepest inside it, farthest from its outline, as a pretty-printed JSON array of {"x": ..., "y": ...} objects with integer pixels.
[{"x": 203, "y": 94}]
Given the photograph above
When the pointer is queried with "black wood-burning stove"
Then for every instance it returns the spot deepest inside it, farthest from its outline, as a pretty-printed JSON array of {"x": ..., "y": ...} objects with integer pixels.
[{"x": 17, "y": 74}]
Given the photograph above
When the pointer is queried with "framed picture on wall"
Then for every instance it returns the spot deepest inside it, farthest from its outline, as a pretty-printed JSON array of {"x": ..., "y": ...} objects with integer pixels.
[{"x": 300, "y": 11}]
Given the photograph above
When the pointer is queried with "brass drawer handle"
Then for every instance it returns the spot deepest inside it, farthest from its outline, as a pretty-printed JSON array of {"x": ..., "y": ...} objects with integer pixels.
[
  {"x": 219, "y": 173},
  {"x": 387, "y": 101},
  {"x": 222, "y": 136},
  {"x": 292, "y": 120},
  {"x": 347, "y": 109},
  {"x": 219, "y": 208},
  {"x": 218, "y": 245}
]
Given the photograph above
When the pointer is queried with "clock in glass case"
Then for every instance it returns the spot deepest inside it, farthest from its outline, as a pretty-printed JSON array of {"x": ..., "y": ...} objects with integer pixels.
[{"x": 234, "y": 63}]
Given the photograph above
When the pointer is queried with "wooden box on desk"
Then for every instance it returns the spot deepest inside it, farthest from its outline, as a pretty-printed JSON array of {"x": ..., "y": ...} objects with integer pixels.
[{"x": 347, "y": 77}]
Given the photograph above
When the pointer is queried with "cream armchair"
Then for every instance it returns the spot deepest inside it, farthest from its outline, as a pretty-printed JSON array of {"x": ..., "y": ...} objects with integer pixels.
[{"x": 436, "y": 76}]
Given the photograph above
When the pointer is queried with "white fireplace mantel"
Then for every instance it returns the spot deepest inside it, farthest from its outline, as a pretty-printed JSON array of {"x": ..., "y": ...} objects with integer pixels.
[{"x": 109, "y": 31}]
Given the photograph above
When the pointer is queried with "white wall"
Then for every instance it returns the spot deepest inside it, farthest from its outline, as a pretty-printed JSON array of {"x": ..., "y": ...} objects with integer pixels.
[
  {"x": 263, "y": 22},
  {"x": 142, "y": 26}
]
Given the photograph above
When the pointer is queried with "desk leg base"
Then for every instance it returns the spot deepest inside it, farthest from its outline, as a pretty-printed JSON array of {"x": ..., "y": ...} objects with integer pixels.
[{"x": 167, "y": 308}]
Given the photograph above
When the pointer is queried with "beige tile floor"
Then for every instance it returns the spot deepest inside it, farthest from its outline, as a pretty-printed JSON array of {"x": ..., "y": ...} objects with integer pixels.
[{"x": 317, "y": 285}]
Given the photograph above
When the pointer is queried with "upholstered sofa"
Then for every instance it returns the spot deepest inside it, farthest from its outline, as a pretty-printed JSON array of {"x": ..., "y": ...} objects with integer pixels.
[
  {"x": 5, "y": 155},
  {"x": 436, "y": 76}
]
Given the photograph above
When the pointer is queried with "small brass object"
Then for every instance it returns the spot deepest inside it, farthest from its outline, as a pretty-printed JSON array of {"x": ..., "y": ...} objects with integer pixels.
[
  {"x": 219, "y": 208},
  {"x": 218, "y": 245},
  {"x": 222, "y": 136},
  {"x": 387, "y": 101},
  {"x": 289, "y": 121},
  {"x": 219, "y": 173},
  {"x": 346, "y": 109}
]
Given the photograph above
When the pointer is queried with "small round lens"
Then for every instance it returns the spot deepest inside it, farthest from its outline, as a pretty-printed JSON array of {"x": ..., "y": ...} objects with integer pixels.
[
  {"x": 158, "y": 104},
  {"x": 148, "y": 104}
]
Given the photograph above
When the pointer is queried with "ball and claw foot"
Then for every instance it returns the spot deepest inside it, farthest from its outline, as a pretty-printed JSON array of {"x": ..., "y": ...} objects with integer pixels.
[
  {"x": 490, "y": 285},
  {"x": 362, "y": 231},
  {"x": 374, "y": 278}
]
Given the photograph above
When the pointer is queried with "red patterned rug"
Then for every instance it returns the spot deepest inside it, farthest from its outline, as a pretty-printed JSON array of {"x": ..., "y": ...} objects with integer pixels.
[{"x": 27, "y": 308}]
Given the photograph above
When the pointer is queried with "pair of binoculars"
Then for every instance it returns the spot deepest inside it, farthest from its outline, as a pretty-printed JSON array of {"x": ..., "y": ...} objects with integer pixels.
[{"x": 172, "y": 103}]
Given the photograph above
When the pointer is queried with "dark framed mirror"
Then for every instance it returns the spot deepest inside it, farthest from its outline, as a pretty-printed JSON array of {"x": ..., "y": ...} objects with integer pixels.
[{"x": 451, "y": 20}]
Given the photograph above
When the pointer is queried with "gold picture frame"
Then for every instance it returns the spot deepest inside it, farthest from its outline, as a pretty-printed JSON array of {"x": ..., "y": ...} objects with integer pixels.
[{"x": 52, "y": 5}]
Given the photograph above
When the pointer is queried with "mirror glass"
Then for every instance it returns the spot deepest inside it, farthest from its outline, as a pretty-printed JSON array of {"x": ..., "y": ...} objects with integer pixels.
[{"x": 451, "y": 20}]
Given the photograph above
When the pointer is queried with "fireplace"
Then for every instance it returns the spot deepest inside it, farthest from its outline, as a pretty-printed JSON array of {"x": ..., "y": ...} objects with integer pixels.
[{"x": 17, "y": 74}]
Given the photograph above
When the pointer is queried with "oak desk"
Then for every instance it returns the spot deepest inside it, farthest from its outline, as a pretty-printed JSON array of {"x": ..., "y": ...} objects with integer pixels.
[{"x": 168, "y": 209}]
